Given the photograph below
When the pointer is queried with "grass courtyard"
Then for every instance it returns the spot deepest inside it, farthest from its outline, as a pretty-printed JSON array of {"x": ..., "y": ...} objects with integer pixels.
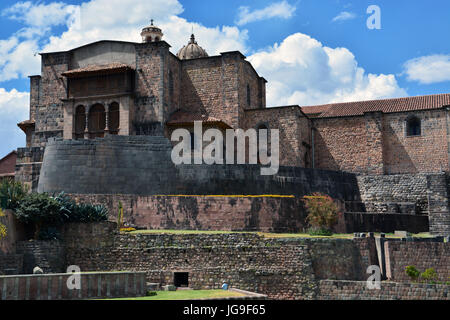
[
  {"x": 188, "y": 295},
  {"x": 273, "y": 235}
]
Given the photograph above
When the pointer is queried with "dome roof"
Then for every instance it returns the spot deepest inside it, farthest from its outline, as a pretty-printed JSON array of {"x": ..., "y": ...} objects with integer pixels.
[
  {"x": 191, "y": 51},
  {"x": 151, "y": 33}
]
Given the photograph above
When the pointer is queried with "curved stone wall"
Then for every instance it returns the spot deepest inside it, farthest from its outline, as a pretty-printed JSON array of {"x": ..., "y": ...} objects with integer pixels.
[
  {"x": 115, "y": 164},
  {"x": 141, "y": 165}
]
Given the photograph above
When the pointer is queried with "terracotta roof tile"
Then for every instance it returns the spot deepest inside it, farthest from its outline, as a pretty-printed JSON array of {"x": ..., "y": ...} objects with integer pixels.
[
  {"x": 358, "y": 108},
  {"x": 106, "y": 68}
]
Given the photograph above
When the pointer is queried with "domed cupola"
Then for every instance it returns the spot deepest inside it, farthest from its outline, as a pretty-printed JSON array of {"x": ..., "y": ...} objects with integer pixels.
[
  {"x": 151, "y": 33},
  {"x": 191, "y": 51}
]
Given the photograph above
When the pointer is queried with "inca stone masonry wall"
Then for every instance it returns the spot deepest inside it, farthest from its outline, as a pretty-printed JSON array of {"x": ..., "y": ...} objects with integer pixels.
[
  {"x": 280, "y": 268},
  {"x": 142, "y": 165},
  {"x": 357, "y": 290},
  {"x": 426, "y": 194},
  {"x": 422, "y": 255},
  {"x": 48, "y": 255},
  {"x": 283, "y": 268}
]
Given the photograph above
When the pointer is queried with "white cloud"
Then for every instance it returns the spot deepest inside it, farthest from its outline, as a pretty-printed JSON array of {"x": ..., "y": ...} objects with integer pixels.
[
  {"x": 13, "y": 109},
  {"x": 302, "y": 71},
  {"x": 19, "y": 60},
  {"x": 280, "y": 9},
  {"x": 85, "y": 24},
  {"x": 428, "y": 69},
  {"x": 344, "y": 15},
  {"x": 40, "y": 15}
]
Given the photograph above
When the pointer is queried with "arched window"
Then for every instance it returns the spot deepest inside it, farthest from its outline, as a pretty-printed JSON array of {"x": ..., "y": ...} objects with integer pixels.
[
  {"x": 97, "y": 121},
  {"x": 248, "y": 95},
  {"x": 80, "y": 122},
  {"x": 113, "y": 118},
  {"x": 413, "y": 127}
]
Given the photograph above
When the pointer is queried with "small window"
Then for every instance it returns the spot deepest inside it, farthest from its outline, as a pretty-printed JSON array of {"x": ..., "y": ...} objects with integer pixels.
[
  {"x": 413, "y": 127},
  {"x": 248, "y": 95}
]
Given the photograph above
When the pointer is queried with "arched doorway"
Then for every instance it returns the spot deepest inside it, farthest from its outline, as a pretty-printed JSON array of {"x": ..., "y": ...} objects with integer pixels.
[
  {"x": 97, "y": 121},
  {"x": 113, "y": 118},
  {"x": 80, "y": 122}
]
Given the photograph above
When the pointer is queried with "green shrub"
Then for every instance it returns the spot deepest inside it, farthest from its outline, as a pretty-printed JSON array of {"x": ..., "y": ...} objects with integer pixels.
[
  {"x": 412, "y": 272},
  {"x": 40, "y": 209},
  {"x": 320, "y": 232},
  {"x": 429, "y": 275},
  {"x": 82, "y": 212},
  {"x": 322, "y": 212},
  {"x": 11, "y": 193},
  {"x": 47, "y": 212},
  {"x": 150, "y": 293}
]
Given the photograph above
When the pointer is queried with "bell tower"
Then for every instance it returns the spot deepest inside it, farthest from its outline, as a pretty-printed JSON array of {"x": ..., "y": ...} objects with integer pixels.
[{"x": 151, "y": 33}]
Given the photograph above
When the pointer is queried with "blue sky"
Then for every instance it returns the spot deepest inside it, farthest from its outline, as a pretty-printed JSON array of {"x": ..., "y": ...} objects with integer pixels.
[{"x": 310, "y": 51}]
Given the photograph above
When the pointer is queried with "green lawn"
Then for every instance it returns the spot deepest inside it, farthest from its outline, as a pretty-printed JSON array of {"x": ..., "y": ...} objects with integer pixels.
[
  {"x": 188, "y": 295},
  {"x": 269, "y": 234}
]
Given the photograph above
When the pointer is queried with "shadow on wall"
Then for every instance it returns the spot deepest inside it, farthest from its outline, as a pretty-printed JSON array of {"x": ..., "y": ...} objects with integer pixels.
[
  {"x": 190, "y": 95},
  {"x": 396, "y": 157},
  {"x": 323, "y": 159}
]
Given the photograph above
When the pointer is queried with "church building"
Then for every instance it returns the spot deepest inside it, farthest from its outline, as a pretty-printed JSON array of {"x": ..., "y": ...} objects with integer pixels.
[{"x": 127, "y": 88}]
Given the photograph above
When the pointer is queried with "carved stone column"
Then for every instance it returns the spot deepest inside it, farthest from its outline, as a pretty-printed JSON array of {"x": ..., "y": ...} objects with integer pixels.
[
  {"x": 107, "y": 119},
  {"x": 86, "y": 129}
]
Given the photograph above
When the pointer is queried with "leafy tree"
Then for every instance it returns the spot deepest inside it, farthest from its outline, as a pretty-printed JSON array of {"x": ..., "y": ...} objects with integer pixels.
[
  {"x": 429, "y": 275},
  {"x": 412, "y": 272},
  {"x": 323, "y": 213}
]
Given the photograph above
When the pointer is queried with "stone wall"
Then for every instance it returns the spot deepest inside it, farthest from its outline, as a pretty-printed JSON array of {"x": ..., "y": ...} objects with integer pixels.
[
  {"x": 422, "y": 255},
  {"x": 280, "y": 268},
  {"x": 340, "y": 144},
  {"x": 409, "y": 194},
  {"x": 357, "y": 290},
  {"x": 11, "y": 263},
  {"x": 376, "y": 143},
  {"x": 270, "y": 214},
  {"x": 381, "y": 222},
  {"x": 15, "y": 231},
  {"x": 425, "y": 153},
  {"x": 142, "y": 165},
  {"x": 48, "y": 255},
  {"x": 294, "y": 132},
  {"x": 94, "y": 285}
]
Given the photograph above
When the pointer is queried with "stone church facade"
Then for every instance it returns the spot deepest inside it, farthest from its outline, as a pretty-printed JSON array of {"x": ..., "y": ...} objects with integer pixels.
[{"x": 122, "y": 88}]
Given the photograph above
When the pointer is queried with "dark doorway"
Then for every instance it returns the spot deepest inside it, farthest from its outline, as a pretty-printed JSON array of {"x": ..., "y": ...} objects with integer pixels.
[{"x": 181, "y": 279}]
